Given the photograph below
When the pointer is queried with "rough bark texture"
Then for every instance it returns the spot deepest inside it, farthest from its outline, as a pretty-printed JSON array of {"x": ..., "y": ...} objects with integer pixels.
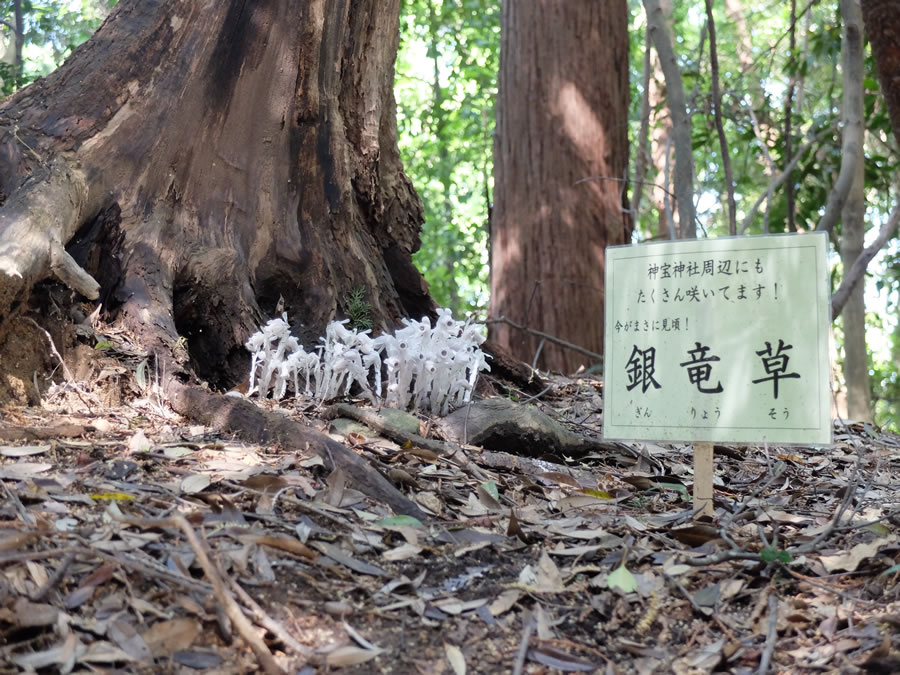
[
  {"x": 202, "y": 160},
  {"x": 561, "y": 119},
  {"x": 882, "y": 22}
]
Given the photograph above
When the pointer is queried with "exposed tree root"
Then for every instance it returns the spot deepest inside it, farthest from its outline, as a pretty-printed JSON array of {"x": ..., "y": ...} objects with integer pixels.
[
  {"x": 35, "y": 224},
  {"x": 255, "y": 425},
  {"x": 391, "y": 431}
]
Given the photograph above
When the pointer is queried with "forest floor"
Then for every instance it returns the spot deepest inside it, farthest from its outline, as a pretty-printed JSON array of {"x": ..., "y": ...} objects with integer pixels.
[{"x": 132, "y": 540}]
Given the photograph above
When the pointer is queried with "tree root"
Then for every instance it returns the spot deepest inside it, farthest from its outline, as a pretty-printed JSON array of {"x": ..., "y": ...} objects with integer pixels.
[
  {"x": 375, "y": 421},
  {"x": 35, "y": 223},
  {"x": 255, "y": 425}
]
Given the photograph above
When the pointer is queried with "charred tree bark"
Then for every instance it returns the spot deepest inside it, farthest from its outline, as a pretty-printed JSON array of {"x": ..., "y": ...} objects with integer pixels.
[
  {"x": 560, "y": 159},
  {"x": 211, "y": 158}
]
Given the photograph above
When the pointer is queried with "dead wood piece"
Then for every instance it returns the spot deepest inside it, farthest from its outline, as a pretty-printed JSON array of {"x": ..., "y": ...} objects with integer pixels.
[
  {"x": 502, "y": 425},
  {"x": 531, "y": 467},
  {"x": 383, "y": 426},
  {"x": 71, "y": 274},
  {"x": 255, "y": 425},
  {"x": 449, "y": 451},
  {"x": 41, "y": 433},
  {"x": 49, "y": 208}
]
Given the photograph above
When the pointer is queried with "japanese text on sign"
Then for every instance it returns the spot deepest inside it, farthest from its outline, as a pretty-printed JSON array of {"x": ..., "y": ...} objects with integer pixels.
[{"x": 718, "y": 340}]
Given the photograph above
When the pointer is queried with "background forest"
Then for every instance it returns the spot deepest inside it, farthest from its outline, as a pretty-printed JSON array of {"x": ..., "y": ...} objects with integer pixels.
[{"x": 779, "y": 78}]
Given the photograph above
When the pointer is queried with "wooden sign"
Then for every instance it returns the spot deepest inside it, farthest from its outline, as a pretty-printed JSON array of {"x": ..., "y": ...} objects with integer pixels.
[{"x": 718, "y": 340}]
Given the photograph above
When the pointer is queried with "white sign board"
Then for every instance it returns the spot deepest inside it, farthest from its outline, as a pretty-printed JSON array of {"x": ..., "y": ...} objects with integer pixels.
[{"x": 718, "y": 340}]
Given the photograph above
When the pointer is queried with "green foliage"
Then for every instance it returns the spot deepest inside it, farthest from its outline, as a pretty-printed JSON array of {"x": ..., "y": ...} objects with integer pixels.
[
  {"x": 770, "y": 554},
  {"x": 445, "y": 89},
  {"x": 754, "y": 114},
  {"x": 884, "y": 363},
  {"x": 359, "y": 311},
  {"x": 52, "y": 29}
]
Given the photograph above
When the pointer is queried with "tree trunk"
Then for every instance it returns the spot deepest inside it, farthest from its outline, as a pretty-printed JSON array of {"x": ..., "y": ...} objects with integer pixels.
[
  {"x": 853, "y": 224},
  {"x": 880, "y": 18},
  {"x": 681, "y": 120},
  {"x": 560, "y": 160},
  {"x": 662, "y": 152},
  {"x": 202, "y": 161}
]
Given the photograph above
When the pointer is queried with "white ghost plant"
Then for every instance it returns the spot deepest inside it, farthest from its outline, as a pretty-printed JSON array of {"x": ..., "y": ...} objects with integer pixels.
[{"x": 430, "y": 368}]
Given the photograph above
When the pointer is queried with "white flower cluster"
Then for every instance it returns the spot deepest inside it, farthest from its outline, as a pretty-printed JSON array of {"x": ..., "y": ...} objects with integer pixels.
[{"x": 432, "y": 368}]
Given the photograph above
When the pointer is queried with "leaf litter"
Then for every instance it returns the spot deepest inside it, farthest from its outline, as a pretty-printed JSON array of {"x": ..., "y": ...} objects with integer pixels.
[{"x": 133, "y": 540}]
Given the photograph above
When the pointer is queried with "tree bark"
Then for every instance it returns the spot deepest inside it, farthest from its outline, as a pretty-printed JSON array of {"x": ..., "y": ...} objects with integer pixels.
[
  {"x": 880, "y": 18},
  {"x": 853, "y": 224},
  {"x": 852, "y": 135},
  {"x": 19, "y": 41},
  {"x": 681, "y": 121},
  {"x": 720, "y": 127},
  {"x": 560, "y": 158},
  {"x": 215, "y": 157},
  {"x": 661, "y": 139}
]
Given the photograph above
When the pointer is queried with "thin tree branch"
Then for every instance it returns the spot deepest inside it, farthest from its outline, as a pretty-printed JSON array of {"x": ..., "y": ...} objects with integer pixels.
[
  {"x": 788, "y": 118},
  {"x": 19, "y": 31},
  {"x": 858, "y": 269},
  {"x": 777, "y": 182},
  {"x": 851, "y": 143},
  {"x": 643, "y": 149},
  {"x": 720, "y": 128},
  {"x": 681, "y": 122},
  {"x": 548, "y": 337},
  {"x": 624, "y": 180},
  {"x": 770, "y": 163}
]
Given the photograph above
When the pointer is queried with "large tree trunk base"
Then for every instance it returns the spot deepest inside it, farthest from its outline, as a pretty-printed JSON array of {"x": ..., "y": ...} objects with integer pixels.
[{"x": 197, "y": 169}]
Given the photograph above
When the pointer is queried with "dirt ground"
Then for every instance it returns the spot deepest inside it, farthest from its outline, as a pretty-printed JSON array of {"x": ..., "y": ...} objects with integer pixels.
[{"x": 134, "y": 540}]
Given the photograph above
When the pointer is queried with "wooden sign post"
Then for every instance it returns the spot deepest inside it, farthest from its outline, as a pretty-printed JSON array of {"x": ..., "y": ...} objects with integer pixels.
[
  {"x": 704, "y": 467},
  {"x": 718, "y": 340}
]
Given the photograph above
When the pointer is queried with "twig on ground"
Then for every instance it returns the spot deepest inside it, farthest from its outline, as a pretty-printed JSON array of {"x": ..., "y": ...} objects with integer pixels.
[
  {"x": 68, "y": 373},
  {"x": 724, "y": 556},
  {"x": 527, "y": 631},
  {"x": 536, "y": 396},
  {"x": 52, "y": 582},
  {"x": 825, "y": 587},
  {"x": 697, "y": 608},
  {"x": 85, "y": 552},
  {"x": 771, "y": 635},
  {"x": 846, "y": 501},
  {"x": 226, "y": 599},
  {"x": 266, "y": 621},
  {"x": 26, "y": 517}
]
